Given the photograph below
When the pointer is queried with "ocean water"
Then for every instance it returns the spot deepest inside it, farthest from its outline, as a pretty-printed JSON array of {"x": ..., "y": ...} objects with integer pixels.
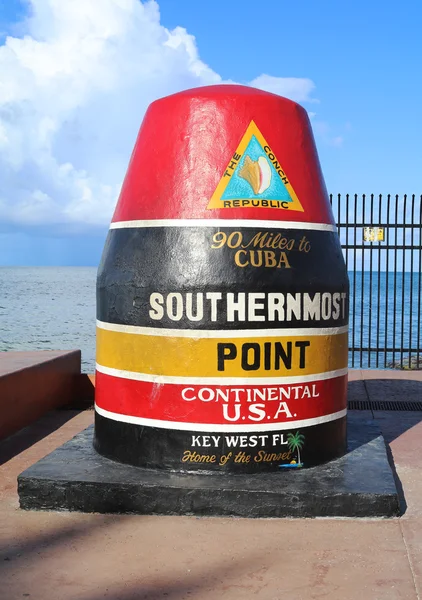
[
  {"x": 48, "y": 308},
  {"x": 53, "y": 308},
  {"x": 385, "y": 313}
]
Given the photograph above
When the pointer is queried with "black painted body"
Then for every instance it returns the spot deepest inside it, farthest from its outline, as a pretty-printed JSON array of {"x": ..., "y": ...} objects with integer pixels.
[
  {"x": 137, "y": 262},
  {"x": 156, "y": 448}
]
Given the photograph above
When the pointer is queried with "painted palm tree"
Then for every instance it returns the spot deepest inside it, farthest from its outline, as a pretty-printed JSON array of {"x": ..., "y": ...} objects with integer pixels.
[{"x": 296, "y": 442}]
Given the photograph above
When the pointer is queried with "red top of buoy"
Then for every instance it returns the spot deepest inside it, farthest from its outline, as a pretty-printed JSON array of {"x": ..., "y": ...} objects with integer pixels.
[{"x": 224, "y": 152}]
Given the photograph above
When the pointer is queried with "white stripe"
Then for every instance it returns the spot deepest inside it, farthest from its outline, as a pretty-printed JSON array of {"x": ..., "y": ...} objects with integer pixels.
[
  {"x": 239, "y": 223},
  {"x": 211, "y": 427},
  {"x": 225, "y": 381},
  {"x": 220, "y": 333}
]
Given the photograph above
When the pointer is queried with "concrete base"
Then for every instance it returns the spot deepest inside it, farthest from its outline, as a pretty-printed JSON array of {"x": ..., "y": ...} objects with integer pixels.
[
  {"x": 32, "y": 383},
  {"x": 75, "y": 477}
]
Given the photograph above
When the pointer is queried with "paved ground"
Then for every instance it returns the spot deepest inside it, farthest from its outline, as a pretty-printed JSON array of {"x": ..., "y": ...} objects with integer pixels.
[{"x": 63, "y": 556}]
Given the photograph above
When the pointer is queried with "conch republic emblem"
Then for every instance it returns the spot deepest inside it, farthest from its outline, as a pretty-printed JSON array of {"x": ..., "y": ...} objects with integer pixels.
[
  {"x": 222, "y": 293},
  {"x": 254, "y": 178}
]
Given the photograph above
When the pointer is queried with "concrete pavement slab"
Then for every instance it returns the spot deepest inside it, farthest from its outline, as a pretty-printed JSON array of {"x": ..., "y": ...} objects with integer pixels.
[
  {"x": 412, "y": 535},
  {"x": 403, "y": 431},
  {"x": 34, "y": 442},
  {"x": 390, "y": 374},
  {"x": 394, "y": 390},
  {"x": 355, "y": 374},
  {"x": 67, "y": 556}
]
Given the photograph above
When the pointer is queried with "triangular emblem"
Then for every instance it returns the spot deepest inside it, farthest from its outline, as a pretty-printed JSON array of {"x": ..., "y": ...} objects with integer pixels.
[{"x": 254, "y": 178}]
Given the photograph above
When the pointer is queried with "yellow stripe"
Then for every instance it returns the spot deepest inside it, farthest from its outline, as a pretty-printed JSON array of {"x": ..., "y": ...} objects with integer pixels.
[{"x": 189, "y": 357}]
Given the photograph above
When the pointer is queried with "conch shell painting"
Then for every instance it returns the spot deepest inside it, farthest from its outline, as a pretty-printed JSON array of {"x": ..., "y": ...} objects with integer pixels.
[{"x": 257, "y": 173}]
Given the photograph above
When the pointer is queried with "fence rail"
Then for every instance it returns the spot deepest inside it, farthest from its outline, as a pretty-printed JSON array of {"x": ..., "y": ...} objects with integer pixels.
[{"x": 381, "y": 237}]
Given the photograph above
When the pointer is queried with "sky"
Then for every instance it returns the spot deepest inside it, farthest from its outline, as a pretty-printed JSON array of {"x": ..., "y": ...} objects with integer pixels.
[{"x": 76, "y": 77}]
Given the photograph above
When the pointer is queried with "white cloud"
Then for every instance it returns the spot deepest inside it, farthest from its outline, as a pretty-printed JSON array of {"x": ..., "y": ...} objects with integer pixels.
[
  {"x": 324, "y": 131},
  {"x": 295, "y": 88},
  {"x": 337, "y": 141},
  {"x": 73, "y": 91}
]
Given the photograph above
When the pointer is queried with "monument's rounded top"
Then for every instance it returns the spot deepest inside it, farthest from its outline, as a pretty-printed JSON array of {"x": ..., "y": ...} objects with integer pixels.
[
  {"x": 224, "y": 152},
  {"x": 226, "y": 90}
]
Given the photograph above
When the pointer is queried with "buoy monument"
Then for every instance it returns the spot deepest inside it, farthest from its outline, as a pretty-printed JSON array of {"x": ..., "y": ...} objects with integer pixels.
[
  {"x": 222, "y": 319},
  {"x": 222, "y": 295}
]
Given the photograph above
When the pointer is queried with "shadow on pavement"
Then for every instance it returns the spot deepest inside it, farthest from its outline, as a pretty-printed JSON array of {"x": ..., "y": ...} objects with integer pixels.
[
  {"x": 403, "y": 393},
  {"x": 13, "y": 549},
  {"x": 19, "y": 559},
  {"x": 30, "y": 435}
]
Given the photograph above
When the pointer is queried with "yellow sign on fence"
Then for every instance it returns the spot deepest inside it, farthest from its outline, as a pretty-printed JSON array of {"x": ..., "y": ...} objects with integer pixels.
[{"x": 373, "y": 234}]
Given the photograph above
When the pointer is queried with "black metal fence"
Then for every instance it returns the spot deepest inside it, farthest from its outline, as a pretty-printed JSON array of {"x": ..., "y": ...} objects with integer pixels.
[{"x": 381, "y": 238}]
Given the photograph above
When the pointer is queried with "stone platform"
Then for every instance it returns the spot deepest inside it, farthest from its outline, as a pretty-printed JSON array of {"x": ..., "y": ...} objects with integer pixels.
[
  {"x": 32, "y": 383},
  {"x": 74, "y": 477}
]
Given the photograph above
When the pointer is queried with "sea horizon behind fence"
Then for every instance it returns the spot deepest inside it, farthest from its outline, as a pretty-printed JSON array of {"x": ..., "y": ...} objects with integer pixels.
[
  {"x": 45, "y": 308},
  {"x": 382, "y": 233}
]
